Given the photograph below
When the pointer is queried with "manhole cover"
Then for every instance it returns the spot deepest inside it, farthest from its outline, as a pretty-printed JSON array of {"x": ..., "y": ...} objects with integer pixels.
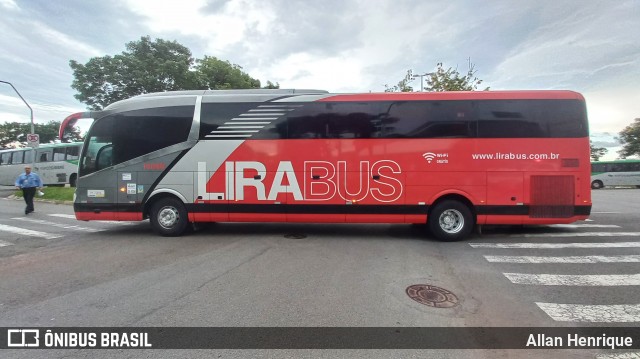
[
  {"x": 295, "y": 235},
  {"x": 432, "y": 296}
]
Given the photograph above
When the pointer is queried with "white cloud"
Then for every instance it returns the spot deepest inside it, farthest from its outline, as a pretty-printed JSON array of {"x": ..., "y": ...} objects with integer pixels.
[
  {"x": 218, "y": 30},
  {"x": 344, "y": 45},
  {"x": 9, "y": 4},
  {"x": 13, "y": 109},
  {"x": 609, "y": 111},
  {"x": 64, "y": 42}
]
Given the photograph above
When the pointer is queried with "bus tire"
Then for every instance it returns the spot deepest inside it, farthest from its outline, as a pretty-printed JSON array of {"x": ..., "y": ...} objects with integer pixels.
[
  {"x": 451, "y": 221},
  {"x": 169, "y": 217},
  {"x": 72, "y": 180},
  {"x": 597, "y": 184}
]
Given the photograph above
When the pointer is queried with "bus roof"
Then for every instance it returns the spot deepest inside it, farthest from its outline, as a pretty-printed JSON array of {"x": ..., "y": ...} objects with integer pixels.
[
  {"x": 43, "y": 145},
  {"x": 183, "y": 98},
  {"x": 160, "y": 99}
]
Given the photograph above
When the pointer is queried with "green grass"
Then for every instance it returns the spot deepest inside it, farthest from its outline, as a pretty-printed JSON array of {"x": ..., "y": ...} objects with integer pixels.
[{"x": 55, "y": 193}]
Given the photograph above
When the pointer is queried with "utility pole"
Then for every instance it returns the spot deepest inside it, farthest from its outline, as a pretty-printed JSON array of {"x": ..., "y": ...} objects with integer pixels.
[
  {"x": 422, "y": 79},
  {"x": 33, "y": 150}
]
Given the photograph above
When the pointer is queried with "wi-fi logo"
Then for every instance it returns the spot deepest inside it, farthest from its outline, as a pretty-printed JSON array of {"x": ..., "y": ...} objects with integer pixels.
[{"x": 429, "y": 156}]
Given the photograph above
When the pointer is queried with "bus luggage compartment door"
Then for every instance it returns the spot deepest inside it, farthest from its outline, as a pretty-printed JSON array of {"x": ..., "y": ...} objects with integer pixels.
[{"x": 505, "y": 198}]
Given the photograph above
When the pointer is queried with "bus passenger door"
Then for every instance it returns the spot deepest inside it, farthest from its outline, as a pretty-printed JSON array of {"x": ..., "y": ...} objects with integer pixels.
[{"x": 505, "y": 197}]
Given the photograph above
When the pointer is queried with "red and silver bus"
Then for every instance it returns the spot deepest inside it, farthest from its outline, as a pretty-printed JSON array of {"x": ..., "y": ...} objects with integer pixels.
[{"x": 451, "y": 160}]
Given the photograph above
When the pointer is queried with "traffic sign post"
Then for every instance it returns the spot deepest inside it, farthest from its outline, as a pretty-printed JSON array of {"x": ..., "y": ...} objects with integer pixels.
[{"x": 33, "y": 140}]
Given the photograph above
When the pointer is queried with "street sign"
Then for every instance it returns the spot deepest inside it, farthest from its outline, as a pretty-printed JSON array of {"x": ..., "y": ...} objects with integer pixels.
[{"x": 33, "y": 140}]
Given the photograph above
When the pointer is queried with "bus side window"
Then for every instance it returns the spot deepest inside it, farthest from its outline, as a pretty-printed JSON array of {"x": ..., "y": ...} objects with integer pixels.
[
  {"x": 104, "y": 158},
  {"x": 73, "y": 153},
  {"x": 17, "y": 157},
  {"x": 6, "y": 158},
  {"x": 58, "y": 154},
  {"x": 598, "y": 167},
  {"x": 28, "y": 156},
  {"x": 44, "y": 156}
]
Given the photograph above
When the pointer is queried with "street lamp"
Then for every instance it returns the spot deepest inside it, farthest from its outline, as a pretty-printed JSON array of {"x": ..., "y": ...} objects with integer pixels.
[
  {"x": 33, "y": 153},
  {"x": 422, "y": 79}
]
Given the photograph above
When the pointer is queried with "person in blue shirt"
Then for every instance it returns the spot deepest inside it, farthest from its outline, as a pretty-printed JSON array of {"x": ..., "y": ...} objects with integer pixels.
[{"x": 28, "y": 182}]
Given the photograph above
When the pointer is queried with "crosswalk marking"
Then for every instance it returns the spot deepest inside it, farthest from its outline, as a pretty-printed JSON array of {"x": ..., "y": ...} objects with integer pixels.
[
  {"x": 58, "y": 225},
  {"x": 71, "y": 216},
  {"x": 4, "y": 244},
  {"x": 567, "y": 259},
  {"x": 585, "y": 225},
  {"x": 627, "y": 355},
  {"x": 28, "y": 232},
  {"x": 580, "y": 234},
  {"x": 624, "y": 313},
  {"x": 557, "y": 245},
  {"x": 574, "y": 280},
  {"x": 607, "y": 313}
]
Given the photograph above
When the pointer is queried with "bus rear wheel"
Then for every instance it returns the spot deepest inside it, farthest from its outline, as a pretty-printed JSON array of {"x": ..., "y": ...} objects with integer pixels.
[
  {"x": 450, "y": 221},
  {"x": 597, "y": 184},
  {"x": 169, "y": 217}
]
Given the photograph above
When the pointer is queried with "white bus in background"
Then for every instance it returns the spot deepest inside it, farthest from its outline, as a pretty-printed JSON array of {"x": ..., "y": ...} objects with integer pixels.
[
  {"x": 615, "y": 173},
  {"x": 56, "y": 164}
]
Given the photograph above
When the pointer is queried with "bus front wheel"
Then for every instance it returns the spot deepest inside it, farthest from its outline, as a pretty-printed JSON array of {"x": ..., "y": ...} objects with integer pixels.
[
  {"x": 169, "y": 217},
  {"x": 597, "y": 184},
  {"x": 450, "y": 221}
]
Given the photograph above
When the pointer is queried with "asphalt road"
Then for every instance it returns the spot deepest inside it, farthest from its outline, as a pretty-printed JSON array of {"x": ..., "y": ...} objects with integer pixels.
[{"x": 56, "y": 271}]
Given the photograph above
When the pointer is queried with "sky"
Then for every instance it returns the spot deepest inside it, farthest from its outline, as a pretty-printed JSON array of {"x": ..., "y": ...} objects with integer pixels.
[{"x": 342, "y": 46}]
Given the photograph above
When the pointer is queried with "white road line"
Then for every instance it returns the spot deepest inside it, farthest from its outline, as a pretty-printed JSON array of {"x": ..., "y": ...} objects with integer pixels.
[
  {"x": 58, "y": 225},
  {"x": 625, "y": 313},
  {"x": 580, "y": 234},
  {"x": 567, "y": 259},
  {"x": 606, "y": 212},
  {"x": 71, "y": 216},
  {"x": 28, "y": 232},
  {"x": 4, "y": 244},
  {"x": 596, "y": 280},
  {"x": 584, "y": 226},
  {"x": 557, "y": 245}
]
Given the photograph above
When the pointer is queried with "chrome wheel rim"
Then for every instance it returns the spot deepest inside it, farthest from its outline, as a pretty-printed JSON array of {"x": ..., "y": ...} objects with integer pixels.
[
  {"x": 451, "y": 221},
  {"x": 168, "y": 217}
]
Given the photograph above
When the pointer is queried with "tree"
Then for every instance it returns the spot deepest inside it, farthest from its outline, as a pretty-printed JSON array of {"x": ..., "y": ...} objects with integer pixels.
[
  {"x": 629, "y": 137},
  {"x": 216, "y": 74},
  {"x": 145, "y": 66},
  {"x": 17, "y": 132},
  {"x": 403, "y": 85},
  {"x": 597, "y": 152},
  {"x": 153, "y": 66},
  {"x": 451, "y": 80},
  {"x": 442, "y": 80}
]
